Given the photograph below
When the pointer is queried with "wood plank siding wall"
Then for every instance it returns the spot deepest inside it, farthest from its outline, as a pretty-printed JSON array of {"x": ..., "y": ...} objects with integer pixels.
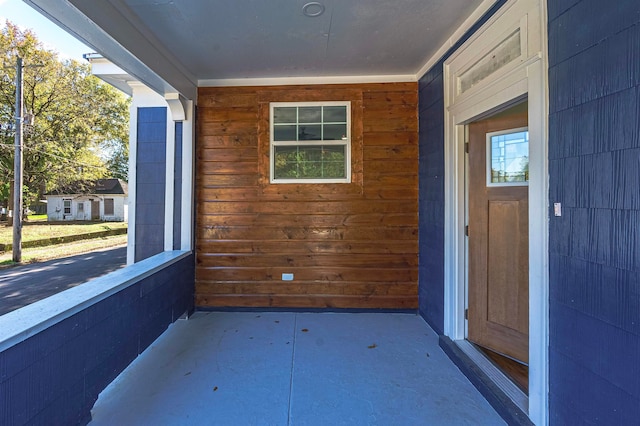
[{"x": 352, "y": 245}]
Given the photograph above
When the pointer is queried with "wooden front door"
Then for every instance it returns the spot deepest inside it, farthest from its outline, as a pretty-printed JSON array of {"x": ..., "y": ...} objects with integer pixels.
[{"x": 498, "y": 287}]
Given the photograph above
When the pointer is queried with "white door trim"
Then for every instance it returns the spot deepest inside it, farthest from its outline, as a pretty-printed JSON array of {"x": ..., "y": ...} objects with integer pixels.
[{"x": 524, "y": 76}]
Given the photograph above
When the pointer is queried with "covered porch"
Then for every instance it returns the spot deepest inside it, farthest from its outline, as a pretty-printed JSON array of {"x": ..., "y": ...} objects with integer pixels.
[
  {"x": 288, "y": 368},
  {"x": 213, "y": 229}
]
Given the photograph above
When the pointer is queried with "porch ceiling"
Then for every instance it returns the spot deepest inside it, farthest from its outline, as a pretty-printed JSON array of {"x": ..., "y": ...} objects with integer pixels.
[
  {"x": 257, "y": 38},
  {"x": 200, "y": 41}
]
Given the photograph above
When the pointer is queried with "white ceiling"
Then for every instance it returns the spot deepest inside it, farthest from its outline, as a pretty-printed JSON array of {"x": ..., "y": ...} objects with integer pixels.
[
  {"x": 273, "y": 38},
  {"x": 176, "y": 45}
]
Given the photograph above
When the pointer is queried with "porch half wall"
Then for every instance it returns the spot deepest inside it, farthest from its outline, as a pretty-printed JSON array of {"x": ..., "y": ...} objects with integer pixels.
[
  {"x": 54, "y": 376},
  {"x": 349, "y": 245}
]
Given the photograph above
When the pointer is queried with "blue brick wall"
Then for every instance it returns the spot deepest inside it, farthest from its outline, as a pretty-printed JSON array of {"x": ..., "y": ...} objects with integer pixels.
[
  {"x": 150, "y": 181},
  {"x": 177, "y": 188},
  {"x": 431, "y": 184},
  {"x": 594, "y": 162},
  {"x": 55, "y": 376}
]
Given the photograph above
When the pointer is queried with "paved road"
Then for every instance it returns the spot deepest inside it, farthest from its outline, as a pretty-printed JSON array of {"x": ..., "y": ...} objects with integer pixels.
[{"x": 22, "y": 285}]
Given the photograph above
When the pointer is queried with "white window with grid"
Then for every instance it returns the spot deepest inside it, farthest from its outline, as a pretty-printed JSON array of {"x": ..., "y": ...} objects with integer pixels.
[{"x": 310, "y": 142}]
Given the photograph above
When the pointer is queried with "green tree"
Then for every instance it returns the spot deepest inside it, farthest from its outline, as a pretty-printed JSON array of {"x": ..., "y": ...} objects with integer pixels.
[{"x": 79, "y": 124}]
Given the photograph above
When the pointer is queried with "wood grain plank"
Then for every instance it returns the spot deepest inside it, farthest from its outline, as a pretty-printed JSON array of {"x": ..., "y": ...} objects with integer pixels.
[
  {"x": 228, "y": 168},
  {"x": 256, "y": 219},
  {"x": 400, "y": 193},
  {"x": 238, "y": 140},
  {"x": 215, "y": 180},
  {"x": 399, "y": 152},
  {"x": 392, "y": 247},
  {"x": 228, "y": 154},
  {"x": 271, "y": 287},
  {"x": 373, "y": 275},
  {"x": 254, "y": 260},
  {"x": 390, "y": 138},
  {"x": 308, "y": 301},
  {"x": 402, "y": 98},
  {"x": 317, "y": 233},
  {"x": 248, "y": 115},
  {"x": 349, "y": 245},
  {"x": 358, "y": 206}
]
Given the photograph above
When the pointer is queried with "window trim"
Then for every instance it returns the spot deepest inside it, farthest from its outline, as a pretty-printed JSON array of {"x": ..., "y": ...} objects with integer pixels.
[
  {"x": 346, "y": 143},
  {"x": 64, "y": 207}
]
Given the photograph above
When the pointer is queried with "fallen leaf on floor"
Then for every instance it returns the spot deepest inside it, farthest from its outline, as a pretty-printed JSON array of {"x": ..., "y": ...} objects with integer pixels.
[
  {"x": 215, "y": 388},
  {"x": 187, "y": 373},
  {"x": 305, "y": 330},
  {"x": 372, "y": 346},
  {"x": 250, "y": 338},
  {"x": 277, "y": 322},
  {"x": 257, "y": 316},
  {"x": 428, "y": 355}
]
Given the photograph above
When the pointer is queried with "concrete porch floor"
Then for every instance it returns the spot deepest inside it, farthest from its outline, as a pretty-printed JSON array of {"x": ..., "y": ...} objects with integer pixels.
[{"x": 282, "y": 368}]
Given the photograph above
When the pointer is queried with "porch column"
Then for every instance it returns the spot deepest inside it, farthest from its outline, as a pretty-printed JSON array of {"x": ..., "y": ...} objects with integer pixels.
[
  {"x": 188, "y": 175},
  {"x": 179, "y": 174},
  {"x": 147, "y": 176}
]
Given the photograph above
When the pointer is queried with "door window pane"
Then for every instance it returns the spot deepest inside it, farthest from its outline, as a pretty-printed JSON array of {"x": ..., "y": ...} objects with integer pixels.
[{"x": 509, "y": 157}]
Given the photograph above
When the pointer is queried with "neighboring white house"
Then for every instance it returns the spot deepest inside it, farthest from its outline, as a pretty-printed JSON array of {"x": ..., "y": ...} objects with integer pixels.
[{"x": 104, "y": 199}]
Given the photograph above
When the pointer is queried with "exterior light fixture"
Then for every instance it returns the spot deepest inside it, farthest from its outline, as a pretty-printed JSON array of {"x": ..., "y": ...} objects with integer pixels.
[{"x": 313, "y": 9}]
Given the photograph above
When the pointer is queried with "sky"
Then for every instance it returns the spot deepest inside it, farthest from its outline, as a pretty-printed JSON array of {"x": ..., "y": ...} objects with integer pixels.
[{"x": 51, "y": 36}]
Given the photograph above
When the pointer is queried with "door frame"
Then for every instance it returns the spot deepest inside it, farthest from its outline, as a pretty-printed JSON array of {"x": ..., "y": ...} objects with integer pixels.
[{"x": 522, "y": 77}]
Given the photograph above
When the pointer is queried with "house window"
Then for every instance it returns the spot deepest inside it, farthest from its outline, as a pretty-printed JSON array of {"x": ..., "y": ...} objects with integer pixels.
[
  {"x": 80, "y": 207},
  {"x": 67, "y": 206},
  {"x": 108, "y": 206},
  {"x": 310, "y": 142}
]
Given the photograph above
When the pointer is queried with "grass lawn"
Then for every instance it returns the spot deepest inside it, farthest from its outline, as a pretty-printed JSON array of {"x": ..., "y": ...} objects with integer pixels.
[
  {"x": 38, "y": 230},
  {"x": 39, "y": 254}
]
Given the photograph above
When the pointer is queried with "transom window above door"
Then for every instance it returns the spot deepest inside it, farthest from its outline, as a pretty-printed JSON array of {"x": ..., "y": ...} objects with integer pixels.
[{"x": 310, "y": 142}]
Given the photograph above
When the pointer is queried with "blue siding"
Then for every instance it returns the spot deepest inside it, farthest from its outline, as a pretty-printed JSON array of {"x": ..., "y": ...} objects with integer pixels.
[
  {"x": 431, "y": 184},
  {"x": 55, "y": 376},
  {"x": 431, "y": 201},
  {"x": 594, "y": 161},
  {"x": 177, "y": 188},
  {"x": 150, "y": 181}
]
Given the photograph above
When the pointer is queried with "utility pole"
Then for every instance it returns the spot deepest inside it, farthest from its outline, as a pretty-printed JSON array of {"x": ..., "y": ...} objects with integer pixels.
[{"x": 17, "y": 169}]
